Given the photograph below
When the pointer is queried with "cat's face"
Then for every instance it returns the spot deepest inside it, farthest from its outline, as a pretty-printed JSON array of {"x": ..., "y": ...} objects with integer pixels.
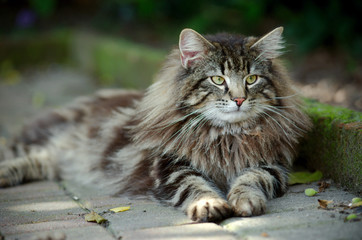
[{"x": 229, "y": 78}]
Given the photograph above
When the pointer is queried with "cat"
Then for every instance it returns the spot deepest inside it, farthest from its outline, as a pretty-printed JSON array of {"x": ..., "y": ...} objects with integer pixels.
[{"x": 215, "y": 135}]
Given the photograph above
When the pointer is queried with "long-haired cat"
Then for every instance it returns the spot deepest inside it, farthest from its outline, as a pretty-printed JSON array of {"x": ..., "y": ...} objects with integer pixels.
[{"x": 215, "y": 135}]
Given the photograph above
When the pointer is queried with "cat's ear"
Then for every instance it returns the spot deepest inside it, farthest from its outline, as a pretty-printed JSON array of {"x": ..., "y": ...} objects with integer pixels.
[
  {"x": 270, "y": 45},
  {"x": 193, "y": 47}
]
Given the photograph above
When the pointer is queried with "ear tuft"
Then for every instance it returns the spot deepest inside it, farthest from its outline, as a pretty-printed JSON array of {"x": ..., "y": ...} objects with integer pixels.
[
  {"x": 193, "y": 47},
  {"x": 270, "y": 45}
]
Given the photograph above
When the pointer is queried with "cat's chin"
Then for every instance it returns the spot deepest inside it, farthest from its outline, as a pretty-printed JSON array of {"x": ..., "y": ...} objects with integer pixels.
[{"x": 234, "y": 117}]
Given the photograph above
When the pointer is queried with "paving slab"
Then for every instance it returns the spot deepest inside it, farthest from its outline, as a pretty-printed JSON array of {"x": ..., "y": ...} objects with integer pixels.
[
  {"x": 144, "y": 213},
  {"x": 80, "y": 233},
  {"x": 44, "y": 226},
  {"x": 209, "y": 231},
  {"x": 35, "y": 202},
  {"x": 34, "y": 190},
  {"x": 296, "y": 216}
]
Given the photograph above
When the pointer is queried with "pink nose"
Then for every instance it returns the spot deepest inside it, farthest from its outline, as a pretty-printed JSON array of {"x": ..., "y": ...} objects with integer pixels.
[{"x": 239, "y": 101}]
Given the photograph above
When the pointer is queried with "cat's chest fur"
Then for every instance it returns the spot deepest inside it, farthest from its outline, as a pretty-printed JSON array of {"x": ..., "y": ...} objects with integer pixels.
[{"x": 220, "y": 153}]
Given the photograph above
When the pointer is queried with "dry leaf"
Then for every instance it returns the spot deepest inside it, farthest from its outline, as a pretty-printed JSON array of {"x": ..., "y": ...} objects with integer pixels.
[
  {"x": 264, "y": 234},
  {"x": 120, "y": 209},
  {"x": 94, "y": 217},
  {"x": 323, "y": 185},
  {"x": 324, "y": 203},
  {"x": 357, "y": 204}
]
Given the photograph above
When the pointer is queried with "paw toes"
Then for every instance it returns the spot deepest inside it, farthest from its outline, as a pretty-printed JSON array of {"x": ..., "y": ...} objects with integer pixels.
[
  {"x": 246, "y": 207},
  {"x": 210, "y": 210}
]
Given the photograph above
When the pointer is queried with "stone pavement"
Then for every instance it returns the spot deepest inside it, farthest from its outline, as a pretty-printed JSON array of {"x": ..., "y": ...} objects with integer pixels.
[{"x": 34, "y": 210}]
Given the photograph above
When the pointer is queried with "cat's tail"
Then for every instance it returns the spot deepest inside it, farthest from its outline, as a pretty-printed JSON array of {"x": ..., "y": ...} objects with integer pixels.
[
  {"x": 20, "y": 163},
  {"x": 28, "y": 156}
]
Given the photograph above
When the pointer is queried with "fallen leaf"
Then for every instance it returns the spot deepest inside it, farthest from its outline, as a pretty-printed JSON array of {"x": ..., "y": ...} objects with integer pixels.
[
  {"x": 120, "y": 209},
  {"x": 323, "y": 185},
  {"x": 310, "y": 192},
  {"x": 264, "y": 234},
  {"x": 350, "y": 217},
  {"x": 324, "y": 203},
  {"x": 304, "y": 177},
  {"x": 94, "y": 217},
  {"x": 357, "y": 204}
]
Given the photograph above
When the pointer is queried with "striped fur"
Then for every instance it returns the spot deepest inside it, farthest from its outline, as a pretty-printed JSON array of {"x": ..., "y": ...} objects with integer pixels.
[{"x": 185, "y": 141}]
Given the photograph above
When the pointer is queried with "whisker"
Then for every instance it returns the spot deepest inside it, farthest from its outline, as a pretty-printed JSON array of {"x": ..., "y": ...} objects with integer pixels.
[
  {"x": 185, "y": 129},
  {"x": 278, "y": 111},
  {"x": 285, "y": 133},
  {"x": 285, "y": 97}
]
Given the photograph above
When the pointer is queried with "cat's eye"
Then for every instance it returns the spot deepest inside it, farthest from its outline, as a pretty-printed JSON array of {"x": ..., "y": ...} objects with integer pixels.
[
  {"x": 251, "y": 79},
  {"x": 218, "y": 80}
]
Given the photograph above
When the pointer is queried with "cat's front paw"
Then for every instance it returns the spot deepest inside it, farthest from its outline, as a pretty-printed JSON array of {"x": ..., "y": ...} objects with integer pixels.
[
  {"x": 209, "y": 209},
  {"x": 246, "y": 204}
]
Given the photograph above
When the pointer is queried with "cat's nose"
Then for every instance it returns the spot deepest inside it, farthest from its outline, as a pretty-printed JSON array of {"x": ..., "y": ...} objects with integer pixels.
[{"x": 239, "y": 100}]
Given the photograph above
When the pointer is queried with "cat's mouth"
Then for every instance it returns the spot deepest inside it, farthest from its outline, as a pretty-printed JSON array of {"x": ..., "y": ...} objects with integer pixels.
[{"x": 232, "y": 115}]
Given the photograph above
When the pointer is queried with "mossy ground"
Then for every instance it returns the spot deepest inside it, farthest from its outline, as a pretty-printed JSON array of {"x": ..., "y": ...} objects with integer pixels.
[{"x": 334, "y": 144}]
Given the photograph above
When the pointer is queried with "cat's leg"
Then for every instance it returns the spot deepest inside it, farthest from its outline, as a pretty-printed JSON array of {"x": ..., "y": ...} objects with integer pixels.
[
  {"x": 249, "y": 191},
  {"x": 35, "y": 166},
  {"x": 179, "y": 185}
]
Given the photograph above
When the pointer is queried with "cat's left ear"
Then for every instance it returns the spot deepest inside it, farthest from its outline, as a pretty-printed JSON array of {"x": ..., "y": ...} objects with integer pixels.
[
  {"x": 270, "y": 45},
  {"x": 193, "y": 47}
]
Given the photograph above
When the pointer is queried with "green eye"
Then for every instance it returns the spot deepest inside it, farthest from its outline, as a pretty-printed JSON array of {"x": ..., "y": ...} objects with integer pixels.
[
  {"x": 251, "y": 79},
  {"x": 218, "y": 80}
]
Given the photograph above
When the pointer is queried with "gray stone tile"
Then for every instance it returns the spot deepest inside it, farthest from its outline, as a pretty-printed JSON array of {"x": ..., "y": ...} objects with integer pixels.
[
  {"x": 34, "y": 190},
  {"x": 44, "y": 226},
  {"x": 145, "y": 215},
  {"x": 208, "y": 231},
  {"x": 296, "y": 216},
  {"x": 80, "y": 233}
]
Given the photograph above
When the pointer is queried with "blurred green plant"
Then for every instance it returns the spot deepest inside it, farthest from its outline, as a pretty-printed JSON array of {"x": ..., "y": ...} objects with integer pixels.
[
  {"x": 311, "y": 24},
  {"x": 122, "y": 63},
  {"x": 8, "y": 74},
  {"x": 43, "y": 8}
]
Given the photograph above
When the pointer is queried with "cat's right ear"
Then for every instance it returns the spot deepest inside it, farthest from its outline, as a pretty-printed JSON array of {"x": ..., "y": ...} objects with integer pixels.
[{"x": 193, "y": 47}]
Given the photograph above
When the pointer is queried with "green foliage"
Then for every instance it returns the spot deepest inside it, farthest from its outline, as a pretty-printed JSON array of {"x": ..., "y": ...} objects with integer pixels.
[
  {"x": 34, "y": 49},
  {"x": 310, "y": 23},
  {"x": 43, "y": 8},
  {"x": 124, "y": 64}
]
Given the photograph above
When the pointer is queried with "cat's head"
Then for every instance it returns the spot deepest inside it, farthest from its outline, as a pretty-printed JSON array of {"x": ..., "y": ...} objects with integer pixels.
[{"x": 230, "y": 78}]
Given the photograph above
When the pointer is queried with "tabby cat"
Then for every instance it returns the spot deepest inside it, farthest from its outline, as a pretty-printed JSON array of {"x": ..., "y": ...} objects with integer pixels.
[{"x": 215, "y": 135}]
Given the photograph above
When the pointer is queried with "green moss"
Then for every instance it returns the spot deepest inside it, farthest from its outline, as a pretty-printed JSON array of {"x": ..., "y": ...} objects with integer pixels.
[
  {"x": 334, "y": 144},
  {"x": 330, "y": 113}
]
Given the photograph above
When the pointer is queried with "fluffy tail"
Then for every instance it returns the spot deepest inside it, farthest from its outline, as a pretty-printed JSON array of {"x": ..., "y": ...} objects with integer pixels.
[
  {"x": 20, "y": 163},
  {"x": 28, "y": 158}
]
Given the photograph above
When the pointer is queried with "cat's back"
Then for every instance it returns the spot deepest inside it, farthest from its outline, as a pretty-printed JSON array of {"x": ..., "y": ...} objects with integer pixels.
[{"x": 84, "y": 114}]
